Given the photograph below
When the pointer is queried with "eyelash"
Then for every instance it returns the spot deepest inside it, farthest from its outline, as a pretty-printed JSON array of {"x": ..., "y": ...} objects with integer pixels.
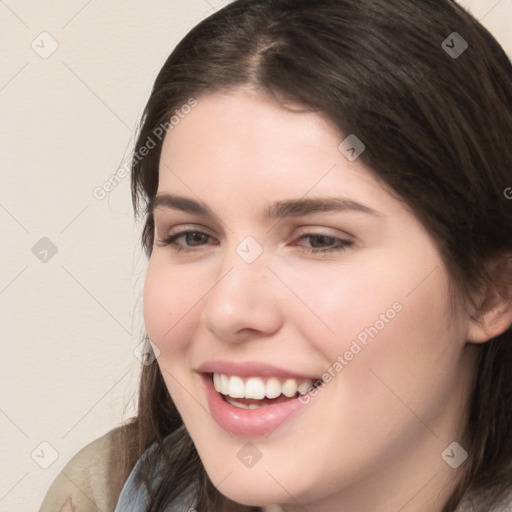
[{"x": 342, "y": 243}]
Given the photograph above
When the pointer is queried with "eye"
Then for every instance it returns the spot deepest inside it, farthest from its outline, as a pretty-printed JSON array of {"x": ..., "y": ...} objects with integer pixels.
[
  {"x": 191, "y": 238},
  {"x": 322, "y": 243}
]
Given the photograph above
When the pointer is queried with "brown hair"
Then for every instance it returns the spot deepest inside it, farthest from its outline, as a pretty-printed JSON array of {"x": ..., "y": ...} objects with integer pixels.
[{"x": 437, "y": 133}]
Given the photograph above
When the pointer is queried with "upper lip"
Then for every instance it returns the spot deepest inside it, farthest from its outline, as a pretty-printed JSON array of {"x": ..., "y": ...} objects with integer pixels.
[{"x": 251, "y": 369}]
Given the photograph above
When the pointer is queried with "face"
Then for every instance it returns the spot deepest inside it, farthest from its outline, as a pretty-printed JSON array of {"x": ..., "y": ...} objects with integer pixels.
[{"x": 278, "y": 263}]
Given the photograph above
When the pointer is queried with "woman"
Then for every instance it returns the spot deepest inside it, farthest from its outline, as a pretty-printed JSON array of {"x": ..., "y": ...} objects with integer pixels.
[{"x": 330, "y": 267}]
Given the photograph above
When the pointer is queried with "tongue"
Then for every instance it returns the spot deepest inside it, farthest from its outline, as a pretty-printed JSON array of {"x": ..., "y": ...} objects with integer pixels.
[{"x": 263, "y": 401}]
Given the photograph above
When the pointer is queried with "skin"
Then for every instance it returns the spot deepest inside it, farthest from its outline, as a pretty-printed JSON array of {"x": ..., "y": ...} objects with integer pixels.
[{"x": 372, "y": 438}]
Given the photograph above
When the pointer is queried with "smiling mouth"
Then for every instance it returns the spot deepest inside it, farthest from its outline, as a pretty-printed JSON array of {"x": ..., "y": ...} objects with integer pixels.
[{"x": 258, "y": 392}]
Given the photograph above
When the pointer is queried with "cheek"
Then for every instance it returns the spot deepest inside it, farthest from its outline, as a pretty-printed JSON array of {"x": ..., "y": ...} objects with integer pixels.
[
  {"x": 168, "y": 304},
  {"x": 169, "y": 317},
  {"x": 388, "y": 316},
  {"x": 412, "y": 358},
  {"x": 156, "y": 303},
  {"x": 334, "y": 304}
]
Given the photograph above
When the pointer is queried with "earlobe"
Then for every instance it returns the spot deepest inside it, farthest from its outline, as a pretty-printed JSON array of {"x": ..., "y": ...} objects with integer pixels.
[
  {"x": 495, "y": 313},
  {"x": 491, "y": 324}
]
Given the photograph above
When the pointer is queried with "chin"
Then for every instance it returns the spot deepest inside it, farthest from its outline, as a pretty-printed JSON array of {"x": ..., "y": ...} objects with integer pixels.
[
  {"x": 255, "y": 486},
  {"x": 252, "y": 495}
]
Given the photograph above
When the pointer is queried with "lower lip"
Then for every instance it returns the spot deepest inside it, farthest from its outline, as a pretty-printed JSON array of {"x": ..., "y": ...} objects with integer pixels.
[{"x": 248, "y": 422}]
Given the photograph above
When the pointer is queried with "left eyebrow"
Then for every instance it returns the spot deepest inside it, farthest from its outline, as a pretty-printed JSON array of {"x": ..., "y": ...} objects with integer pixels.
[
  {"x": 309, "y": 206},
  {"x": 280, "y": 209}
]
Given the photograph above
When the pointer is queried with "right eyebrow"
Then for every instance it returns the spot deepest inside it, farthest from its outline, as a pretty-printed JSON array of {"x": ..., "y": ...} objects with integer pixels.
[{"x": 180, "y": 203}]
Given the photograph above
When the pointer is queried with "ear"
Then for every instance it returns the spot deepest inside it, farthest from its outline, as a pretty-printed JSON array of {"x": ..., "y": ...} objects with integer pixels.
[{"x": 495, "y": 312}]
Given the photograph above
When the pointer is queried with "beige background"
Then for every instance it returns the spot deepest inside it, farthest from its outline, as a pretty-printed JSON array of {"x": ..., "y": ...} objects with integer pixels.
[{"x": 69, "y": 324}]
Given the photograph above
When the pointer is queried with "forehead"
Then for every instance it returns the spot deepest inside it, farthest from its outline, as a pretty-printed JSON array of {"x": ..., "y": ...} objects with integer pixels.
[
  {"x": 243, "y": 123},
  {"x": 239, "y": 146}
]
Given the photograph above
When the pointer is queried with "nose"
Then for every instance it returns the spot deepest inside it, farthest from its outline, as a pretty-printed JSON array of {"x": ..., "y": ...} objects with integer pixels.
[{"x": 244, "y": 302}]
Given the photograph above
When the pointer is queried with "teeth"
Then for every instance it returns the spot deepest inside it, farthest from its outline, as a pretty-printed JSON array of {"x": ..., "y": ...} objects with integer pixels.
[
  {"x": 289, "y": 388},
  {"x": 303, "y": 387},
  {"x": 216, "y": 381},
  {"x": 243, "y": 406},
  {"x": 273, "y": 388},
  {"x": 236, "y": 387},
  {"x": 224, "y": 384},
  {"x": 258, "y": 388},
  {"x": 254, "y": 388}
]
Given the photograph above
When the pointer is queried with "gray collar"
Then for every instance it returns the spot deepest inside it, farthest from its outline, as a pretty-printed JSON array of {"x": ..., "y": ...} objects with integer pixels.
[{"x": 134, "y": 496}]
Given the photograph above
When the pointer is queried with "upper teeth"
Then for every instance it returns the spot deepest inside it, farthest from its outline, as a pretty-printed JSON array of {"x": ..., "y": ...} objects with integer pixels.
[{"x": 258, "y": 388}]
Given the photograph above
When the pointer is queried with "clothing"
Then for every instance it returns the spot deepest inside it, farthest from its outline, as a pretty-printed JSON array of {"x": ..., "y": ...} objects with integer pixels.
[
  {"x": 134, "y": 497},
  {"x": 86, "y": 485}
]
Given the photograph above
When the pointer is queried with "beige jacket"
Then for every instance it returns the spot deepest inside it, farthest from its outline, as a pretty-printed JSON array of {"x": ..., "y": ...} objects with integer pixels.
[{"x": 85, "y": 484}]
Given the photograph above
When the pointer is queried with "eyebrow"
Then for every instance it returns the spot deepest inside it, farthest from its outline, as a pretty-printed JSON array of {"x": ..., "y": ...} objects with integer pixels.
[{"x": 281, "y": 209}]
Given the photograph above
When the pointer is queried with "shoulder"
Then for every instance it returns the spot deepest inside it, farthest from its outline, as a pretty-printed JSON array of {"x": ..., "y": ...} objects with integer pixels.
[{"x": 84, "y": 485}]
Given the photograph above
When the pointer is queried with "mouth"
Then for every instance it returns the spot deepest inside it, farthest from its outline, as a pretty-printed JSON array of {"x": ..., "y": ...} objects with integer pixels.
[
  {"x": 251, "y": 405},
  {"x": 257, "y": 392}
]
